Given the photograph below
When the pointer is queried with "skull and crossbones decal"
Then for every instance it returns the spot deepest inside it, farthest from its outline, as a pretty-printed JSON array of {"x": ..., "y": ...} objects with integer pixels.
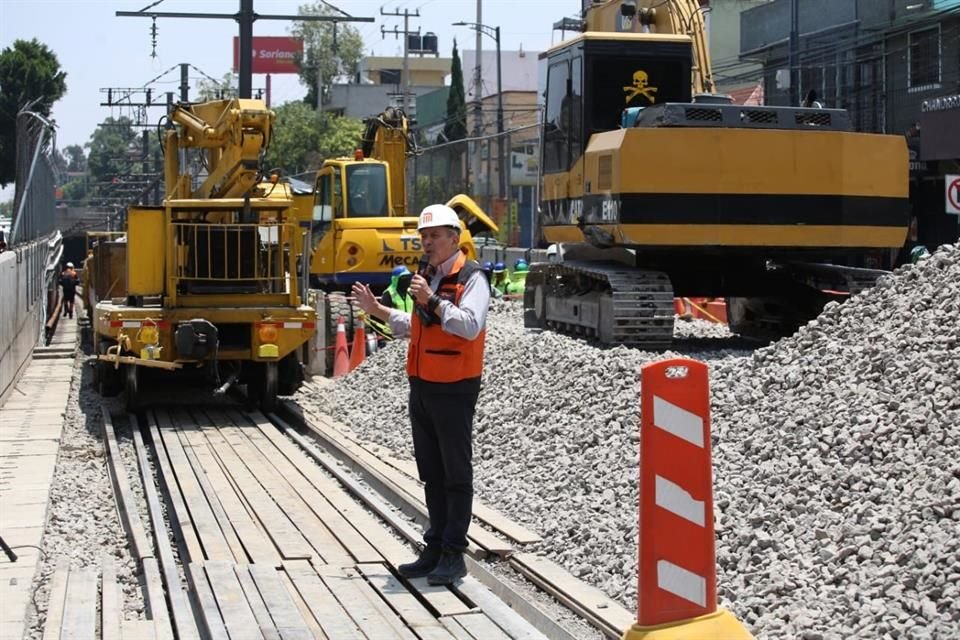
[{"x": 640, "y": 87}]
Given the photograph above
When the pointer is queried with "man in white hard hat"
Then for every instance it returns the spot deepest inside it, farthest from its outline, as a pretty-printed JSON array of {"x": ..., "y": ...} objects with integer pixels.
[{"x": 444, "y": 364}]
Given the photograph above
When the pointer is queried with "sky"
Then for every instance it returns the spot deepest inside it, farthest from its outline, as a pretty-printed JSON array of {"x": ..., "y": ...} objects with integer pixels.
[{"x": 99, "y": 50}]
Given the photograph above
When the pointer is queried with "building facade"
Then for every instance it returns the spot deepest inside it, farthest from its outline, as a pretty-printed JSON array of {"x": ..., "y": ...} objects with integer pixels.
[
  {"x": 378, "y": 85},
  {"x": 894, "y": 65}
]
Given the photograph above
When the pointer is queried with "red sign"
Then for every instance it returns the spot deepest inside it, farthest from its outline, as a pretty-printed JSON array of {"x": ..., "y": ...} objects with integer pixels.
[{"x": 271, "y": 54}]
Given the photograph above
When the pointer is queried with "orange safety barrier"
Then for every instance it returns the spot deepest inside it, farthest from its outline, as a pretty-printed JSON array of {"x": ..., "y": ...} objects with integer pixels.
[
  {"x": 358, "y": 350},
  {"x": 341, "y": 358},
  {"x": 718, "y": 311},
  {"x": 677, "y": 586}
]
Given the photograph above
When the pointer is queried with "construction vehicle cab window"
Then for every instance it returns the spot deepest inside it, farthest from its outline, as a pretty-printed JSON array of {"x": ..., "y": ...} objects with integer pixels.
[{"x": 367, "y": 191}]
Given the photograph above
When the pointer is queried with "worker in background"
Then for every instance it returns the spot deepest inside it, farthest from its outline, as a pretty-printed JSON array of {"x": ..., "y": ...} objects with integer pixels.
[
  {"x": 488, "y": 272},
  {"x": 918, "y": 253},
  {"x": 397, "y": 294},
  {"x": 447, "y": 331},
  {"x": 68, "y": 284},
  {"x": 501, "y": 279},
  {"x": 518, "y": 281}
]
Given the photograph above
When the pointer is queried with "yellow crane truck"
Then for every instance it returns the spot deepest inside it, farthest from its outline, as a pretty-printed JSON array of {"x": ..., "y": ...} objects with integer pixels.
[
  {"x": 657, "y": 187},
  {"x": 210, "y": 282}
]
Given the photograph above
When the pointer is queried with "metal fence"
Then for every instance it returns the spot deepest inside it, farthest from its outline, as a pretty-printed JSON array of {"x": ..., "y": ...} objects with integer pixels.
[
  {"x": 33, "y": 202},
  {"x": 499, "y": 171}
]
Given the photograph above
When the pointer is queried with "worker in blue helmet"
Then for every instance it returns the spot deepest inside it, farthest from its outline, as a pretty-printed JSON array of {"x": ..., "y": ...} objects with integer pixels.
[
  {"x": 519, "y": 280},
  {"x": 918, "y": 253},
  {"x": 501, "y": 279},
  {"x": 396, "y": 295},
  {"x": 488, "y": 271}
]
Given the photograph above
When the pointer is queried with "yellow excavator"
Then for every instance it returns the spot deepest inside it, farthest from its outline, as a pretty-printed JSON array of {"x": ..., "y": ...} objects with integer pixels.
[
  {"x": 207, "y": 283},
  {"x": 657, "y": 187},
  {"x": 361, "y": 229}
]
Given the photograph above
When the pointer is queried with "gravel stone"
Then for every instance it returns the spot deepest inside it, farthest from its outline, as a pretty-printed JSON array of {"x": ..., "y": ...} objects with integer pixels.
[
  {"x": 836, "y": 455},
  {"x": 82, "y": 521}
]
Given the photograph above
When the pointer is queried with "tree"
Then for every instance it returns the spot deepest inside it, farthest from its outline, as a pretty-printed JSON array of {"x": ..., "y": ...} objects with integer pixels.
[
  {"x": 75, "y": 191},
  {"x": 114, "y": 149},
  {"x": 302, "y": 138},
  {"x": 76, "y": 160},
  {"x": 455, "y": 127},
  {"x": 209, "y": 89},
  {"x": 319, "y": 49},
  {"x": 29, "y": 72}
]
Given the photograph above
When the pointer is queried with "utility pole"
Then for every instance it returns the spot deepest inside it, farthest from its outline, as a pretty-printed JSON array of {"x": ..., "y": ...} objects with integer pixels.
[
  {"x": 245, "y": 18},
  {"x": 319, "y": 89},
  {"x": 405, "y": 74},
  {"x": 494, "y": 32},
  {"x": 477, "y": 102},
  {"x": 184, "y": 82},
  {"x": 502, "y": 153}
]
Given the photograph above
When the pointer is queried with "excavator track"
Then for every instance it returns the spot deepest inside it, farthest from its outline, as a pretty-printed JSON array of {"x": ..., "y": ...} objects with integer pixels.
[{"x": 607, "y": 302}]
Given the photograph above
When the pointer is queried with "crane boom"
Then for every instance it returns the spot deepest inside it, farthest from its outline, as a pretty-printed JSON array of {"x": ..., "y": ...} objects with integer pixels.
[{"x": 234, "y": 134}]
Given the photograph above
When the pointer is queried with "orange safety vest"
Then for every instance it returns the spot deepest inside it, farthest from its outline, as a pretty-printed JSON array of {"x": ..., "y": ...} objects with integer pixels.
[{"x": 437, "y": 356}]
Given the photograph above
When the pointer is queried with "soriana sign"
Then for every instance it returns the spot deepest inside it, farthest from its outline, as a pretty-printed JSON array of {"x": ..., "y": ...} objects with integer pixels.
[{"x": 271, "y": 54}]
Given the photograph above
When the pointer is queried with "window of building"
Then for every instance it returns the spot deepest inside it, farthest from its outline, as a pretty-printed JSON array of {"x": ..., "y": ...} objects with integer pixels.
[
  {"x": 390, "y": 76},
  {"x": 923, "y": 59}
]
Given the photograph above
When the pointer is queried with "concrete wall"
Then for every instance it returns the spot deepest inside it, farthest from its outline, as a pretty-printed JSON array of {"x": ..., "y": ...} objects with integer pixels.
[{"x": 24, "y": 276}]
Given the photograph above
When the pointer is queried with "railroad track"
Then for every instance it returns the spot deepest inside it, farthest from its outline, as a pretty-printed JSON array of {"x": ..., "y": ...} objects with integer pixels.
[{"x": 285, "y": 524}]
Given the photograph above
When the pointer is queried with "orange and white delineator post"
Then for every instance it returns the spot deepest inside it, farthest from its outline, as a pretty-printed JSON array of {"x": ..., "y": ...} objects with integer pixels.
[{"x": 677, "y": 590}]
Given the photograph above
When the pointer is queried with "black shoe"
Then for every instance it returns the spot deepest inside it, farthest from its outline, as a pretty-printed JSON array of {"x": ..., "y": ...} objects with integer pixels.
[
  {"x": 450, "y": 568},
  {"x": 423, "y": 565}
]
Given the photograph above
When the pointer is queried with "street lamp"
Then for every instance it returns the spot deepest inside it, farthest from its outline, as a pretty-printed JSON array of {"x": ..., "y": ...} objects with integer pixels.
[{"x": 494, "y": 32}]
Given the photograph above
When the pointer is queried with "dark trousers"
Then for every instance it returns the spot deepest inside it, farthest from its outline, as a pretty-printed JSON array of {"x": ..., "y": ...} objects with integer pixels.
[
  {"x": 442, "y": 419},
  {"x": 68, "y": 302}
]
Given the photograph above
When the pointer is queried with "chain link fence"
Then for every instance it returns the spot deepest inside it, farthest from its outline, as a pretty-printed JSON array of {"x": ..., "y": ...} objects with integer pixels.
[
  {"x": 499, "y": 171},
  {"x": 34, "y": 196}
]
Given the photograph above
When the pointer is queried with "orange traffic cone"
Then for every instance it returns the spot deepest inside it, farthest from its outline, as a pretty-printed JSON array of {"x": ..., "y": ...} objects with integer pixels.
[
  {"x": 341, "y": 359},
  {"x": 359, "y": 350}
]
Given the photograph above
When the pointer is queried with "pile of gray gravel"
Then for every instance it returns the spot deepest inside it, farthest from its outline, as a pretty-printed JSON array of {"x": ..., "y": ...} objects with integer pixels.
[{"x": 836, "y": 456}]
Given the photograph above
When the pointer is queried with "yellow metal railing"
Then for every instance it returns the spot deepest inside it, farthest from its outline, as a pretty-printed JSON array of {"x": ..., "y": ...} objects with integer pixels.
[{"x": 234, "y": 258}]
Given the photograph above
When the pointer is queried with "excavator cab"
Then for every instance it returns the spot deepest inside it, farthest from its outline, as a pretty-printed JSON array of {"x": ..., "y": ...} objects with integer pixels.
[
  {"x": 592, "y": 80},
  {"x": 350, "y": 189}
]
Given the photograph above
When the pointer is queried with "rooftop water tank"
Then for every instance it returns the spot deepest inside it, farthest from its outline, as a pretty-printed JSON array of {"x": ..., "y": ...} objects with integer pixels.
[{"x": 430, "y": 42}]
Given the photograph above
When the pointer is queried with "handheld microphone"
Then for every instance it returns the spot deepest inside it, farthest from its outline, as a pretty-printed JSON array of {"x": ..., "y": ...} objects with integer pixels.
[{"x": 423, "y": 268}]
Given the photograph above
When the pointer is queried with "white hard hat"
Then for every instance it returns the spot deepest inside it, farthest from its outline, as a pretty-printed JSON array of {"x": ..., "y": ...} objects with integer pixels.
[
  {"x": 70, "y": 265},
  {"x": 438, "y": 215}
]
